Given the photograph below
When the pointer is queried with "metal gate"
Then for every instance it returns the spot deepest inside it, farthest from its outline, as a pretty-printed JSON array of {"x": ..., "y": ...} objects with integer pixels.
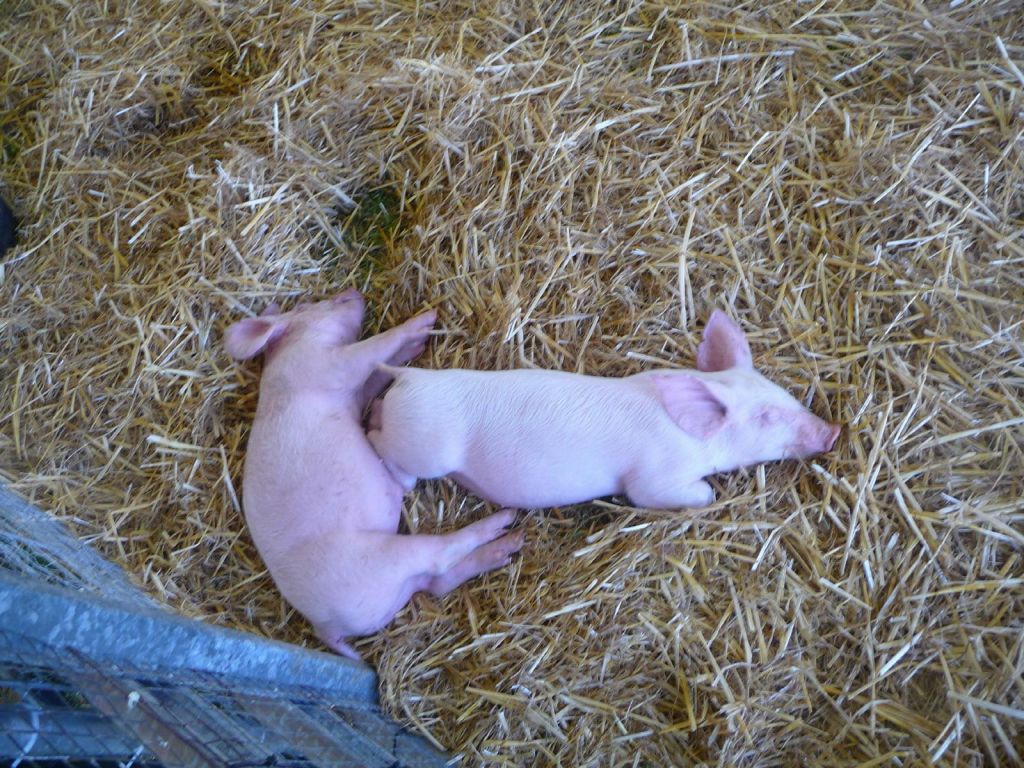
[{"x": 94, "y": 673}]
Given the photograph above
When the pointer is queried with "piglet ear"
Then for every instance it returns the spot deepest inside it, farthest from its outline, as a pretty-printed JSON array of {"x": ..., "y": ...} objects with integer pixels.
[
  {"x": 690, "y": 403},
  {"x": 724, "y": 345},
  {"x": 248, "y": 337}
]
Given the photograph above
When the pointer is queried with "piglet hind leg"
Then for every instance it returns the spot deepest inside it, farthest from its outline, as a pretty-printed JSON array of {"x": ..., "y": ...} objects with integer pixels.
[
  {"x": 417, "y": 559},
  {"x": 494, "y": 554},
  {"x": 460, "y": 544},
  {"x": 669, "y": 492},
  {"x": 394, "y": 567}
]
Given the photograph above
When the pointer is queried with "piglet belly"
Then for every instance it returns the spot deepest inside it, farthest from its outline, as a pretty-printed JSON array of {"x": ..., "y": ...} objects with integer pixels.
[{"x": 541, "y": 479}]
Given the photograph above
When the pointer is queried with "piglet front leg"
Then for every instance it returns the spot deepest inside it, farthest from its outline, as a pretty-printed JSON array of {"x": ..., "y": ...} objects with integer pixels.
[
  {"x": 394, "y": 347},
  {"x": 373, "y": 435},
  {"x": 669, "y": 493}
]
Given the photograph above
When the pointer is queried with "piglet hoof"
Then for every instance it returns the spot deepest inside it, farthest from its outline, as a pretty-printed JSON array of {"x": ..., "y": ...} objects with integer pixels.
[
  {"x": 498, "y": 553},
  {"x": 497, "y": 523},
  {"x": 415, "y": 333},
  {"x": 339, "y": 646},
  {"x": 424, "y": 321},
  {"x": 703, "y": 495},
  {"x": 506, "y": 546},
  {"x": 491, "y": 527}
]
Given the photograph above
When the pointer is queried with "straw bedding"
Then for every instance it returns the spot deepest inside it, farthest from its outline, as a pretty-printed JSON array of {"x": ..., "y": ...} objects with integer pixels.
[{"x": 572, "y": 185}]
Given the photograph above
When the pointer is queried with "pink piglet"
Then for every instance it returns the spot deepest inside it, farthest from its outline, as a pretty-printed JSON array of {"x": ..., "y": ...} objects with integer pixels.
[{"x": 321, "y": 507}]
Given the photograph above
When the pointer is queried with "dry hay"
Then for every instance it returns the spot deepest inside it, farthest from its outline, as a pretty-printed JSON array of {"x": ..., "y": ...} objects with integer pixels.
[{"x": 574, "y": 187}]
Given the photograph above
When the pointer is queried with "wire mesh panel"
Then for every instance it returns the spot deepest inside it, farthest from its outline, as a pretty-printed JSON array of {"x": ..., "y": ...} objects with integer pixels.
[
  {"x": 93, "y": 673},
  {"x": 35, "y": 546}
]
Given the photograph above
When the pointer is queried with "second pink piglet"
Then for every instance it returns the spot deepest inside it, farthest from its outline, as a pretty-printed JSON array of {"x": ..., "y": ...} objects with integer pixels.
[{"x": 535, "y": 438}]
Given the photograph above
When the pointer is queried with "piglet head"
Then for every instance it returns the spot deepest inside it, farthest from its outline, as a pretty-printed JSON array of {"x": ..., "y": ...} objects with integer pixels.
[
  {"x": 747, "y": 418},
  {"x": 330, "y": 323}
]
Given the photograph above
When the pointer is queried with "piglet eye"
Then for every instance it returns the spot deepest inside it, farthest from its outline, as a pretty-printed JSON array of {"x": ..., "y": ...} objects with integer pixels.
[{"x": 767, "y": 416}]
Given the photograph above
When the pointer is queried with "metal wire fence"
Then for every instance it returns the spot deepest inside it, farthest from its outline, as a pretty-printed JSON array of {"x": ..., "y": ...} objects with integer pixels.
[{"x": 94, "y": 673}]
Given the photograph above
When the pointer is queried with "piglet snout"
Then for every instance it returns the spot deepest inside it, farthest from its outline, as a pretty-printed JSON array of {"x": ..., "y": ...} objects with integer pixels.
[{"x": 814, "y": 436}]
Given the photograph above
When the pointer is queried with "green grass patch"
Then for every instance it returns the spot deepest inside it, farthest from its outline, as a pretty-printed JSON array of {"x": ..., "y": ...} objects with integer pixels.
[{"x": 369, "y": 231}]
